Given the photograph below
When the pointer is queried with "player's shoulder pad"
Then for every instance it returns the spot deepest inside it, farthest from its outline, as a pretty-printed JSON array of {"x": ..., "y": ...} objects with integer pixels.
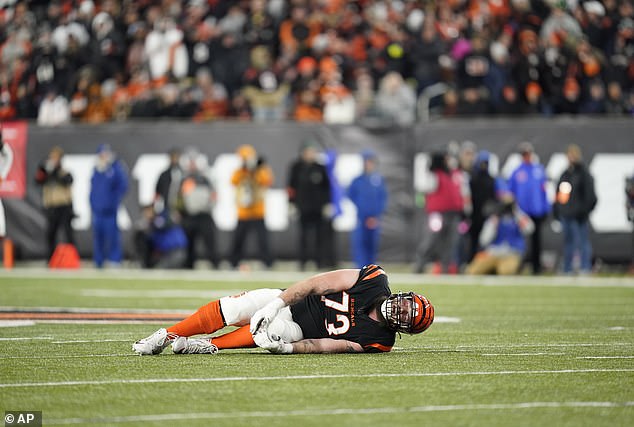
[{"x": 369, "y": 272}]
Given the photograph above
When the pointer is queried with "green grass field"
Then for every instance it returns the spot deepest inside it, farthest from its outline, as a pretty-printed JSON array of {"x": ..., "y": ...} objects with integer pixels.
[{"x": 550, "y": 353}]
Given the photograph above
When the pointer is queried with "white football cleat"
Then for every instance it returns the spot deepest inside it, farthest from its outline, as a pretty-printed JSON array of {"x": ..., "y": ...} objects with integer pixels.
[
  {"x": 184, "y": 345},
  {"x": 155, "y": 343}
]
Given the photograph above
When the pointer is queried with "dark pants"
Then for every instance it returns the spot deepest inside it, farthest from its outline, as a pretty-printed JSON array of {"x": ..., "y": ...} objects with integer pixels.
[
  {"x": 536, "y": 245},
  {"x": 439, "y": 241},
  {"x": 59, "y": 217},
  {"x": 200, "y": 227},
  {"x": 240, "y": 235},
  {"x": 312, "y": 242},
  {"x": 577, "y": 238}
]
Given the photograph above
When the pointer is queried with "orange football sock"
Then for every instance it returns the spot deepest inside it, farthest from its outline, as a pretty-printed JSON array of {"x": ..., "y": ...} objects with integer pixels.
[
  {"x": 206, "y": 320},
  {"x": 240, "y": 338}
]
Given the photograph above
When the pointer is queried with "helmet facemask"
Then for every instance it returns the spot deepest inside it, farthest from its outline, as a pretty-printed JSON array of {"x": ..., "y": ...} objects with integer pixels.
[{"x": 407, "y": 312}]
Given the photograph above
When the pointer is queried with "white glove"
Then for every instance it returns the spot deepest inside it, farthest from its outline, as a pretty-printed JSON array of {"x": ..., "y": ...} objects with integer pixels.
[
  {"x": 272, "y": 343},
  {"x": 263, "y": 316}
]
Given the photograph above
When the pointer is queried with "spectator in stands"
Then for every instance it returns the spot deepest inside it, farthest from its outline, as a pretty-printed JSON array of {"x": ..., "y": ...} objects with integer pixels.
[
  {"x": 107, "y": 47},
  {"x": 159, "y": 242},
  {"x": 396, "y": 100},
  {"x": 54, "y": 110},
  {"x": 425, "y": 52},
  {"x": 108, "y": 186},
  {"x": 502, "y": 238},
  {"x": 615, "y": 103},
  {"x": 99, "y": 108},
  {"x": 195, "y": 198},
  {"x": 251, "y": 180},
  {"x": 307, "y": 107},
  {"x": 266, "y": 94},
  {"x": 309, "y": 195},
  {"x": 211, "y": 96},
  {"x": 547, "y": 42},
  {"x": 527, "y": 183},
  {"x": 570, "y": 98},
  {"x": 595, "y": 100},
  {"x": 165, "y": 51},
  {"x": 339, "y": 105},
  {"x": 499, "y": 78},
  {"x": 575, "y": 200},
  {"x": 368, "y": 193},
  {"x": 57, "y": 198},
  {"x": 364, "y": 95},
  {"x": 443, "y": 208}
]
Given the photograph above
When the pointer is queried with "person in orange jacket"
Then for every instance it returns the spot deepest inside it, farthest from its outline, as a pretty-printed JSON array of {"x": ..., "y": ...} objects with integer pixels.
[{"x": 251, "y": 181}]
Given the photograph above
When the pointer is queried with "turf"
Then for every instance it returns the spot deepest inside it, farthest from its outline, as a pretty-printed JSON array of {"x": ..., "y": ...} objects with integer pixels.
[{"x": 551, "y": 354}]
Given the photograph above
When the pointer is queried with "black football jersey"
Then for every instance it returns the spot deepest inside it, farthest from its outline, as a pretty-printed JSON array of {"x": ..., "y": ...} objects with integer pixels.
[{"x": 344, "y": 315}]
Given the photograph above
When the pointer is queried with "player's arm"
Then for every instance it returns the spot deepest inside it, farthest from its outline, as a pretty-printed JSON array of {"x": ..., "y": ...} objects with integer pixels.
[
  {"x": 326, "y": 345},
  {"x": 274, "y": 344},
  {"x": 320, "y": 284}
]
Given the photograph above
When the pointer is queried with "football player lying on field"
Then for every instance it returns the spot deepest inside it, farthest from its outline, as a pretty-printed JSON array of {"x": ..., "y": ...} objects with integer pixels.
[{"x": 347, "y": 310}]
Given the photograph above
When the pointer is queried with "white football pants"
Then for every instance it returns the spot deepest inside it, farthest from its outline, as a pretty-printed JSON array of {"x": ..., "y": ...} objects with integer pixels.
[{"x": 238, "y": 309}]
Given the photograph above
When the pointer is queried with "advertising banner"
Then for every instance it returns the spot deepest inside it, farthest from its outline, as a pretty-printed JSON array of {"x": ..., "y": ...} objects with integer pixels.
[{"x": 13, "y": 160}]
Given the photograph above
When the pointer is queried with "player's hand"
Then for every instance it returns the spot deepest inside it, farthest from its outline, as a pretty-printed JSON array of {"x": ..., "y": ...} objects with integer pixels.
[
  {"x": 271, "y": 342},
  {"x": 264, "y": 315}
]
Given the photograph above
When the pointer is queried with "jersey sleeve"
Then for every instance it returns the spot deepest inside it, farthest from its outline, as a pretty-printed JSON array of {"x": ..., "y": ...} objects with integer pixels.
[
  {"x": 377, "y": 348},
  {"x": 370, "y": 272}
]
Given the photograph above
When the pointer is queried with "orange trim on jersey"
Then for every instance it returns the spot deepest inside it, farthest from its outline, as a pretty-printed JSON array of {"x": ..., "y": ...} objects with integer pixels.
[
  {"x": 380, "y": 347},
  {"x": 374, "y": 274}
]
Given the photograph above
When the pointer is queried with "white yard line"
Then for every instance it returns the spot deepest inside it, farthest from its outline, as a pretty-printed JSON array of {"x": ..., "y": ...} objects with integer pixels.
[
  {"x": 337, "y": 411},
  {"x": 521, "y": 354},
  {"x": 25, "y": 338},
  {"x": 311, "y": 377},
  {"x": 15, "y": 323},
  {"x": 158, "y": 293},
  {"x": 87, "y": 341},
  {"x": 74, "y": 356}
]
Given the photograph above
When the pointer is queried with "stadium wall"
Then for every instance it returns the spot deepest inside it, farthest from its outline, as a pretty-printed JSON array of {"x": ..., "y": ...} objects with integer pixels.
[{"x": 607, "y": 145}]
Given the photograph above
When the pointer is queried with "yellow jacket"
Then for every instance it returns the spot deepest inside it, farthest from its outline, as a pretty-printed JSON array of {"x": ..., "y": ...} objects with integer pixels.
[{"x": 251, "y": 187}]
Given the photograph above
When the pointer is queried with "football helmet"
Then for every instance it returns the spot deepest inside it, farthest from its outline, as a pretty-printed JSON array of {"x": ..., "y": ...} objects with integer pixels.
[{"x": 408, "y": 312}]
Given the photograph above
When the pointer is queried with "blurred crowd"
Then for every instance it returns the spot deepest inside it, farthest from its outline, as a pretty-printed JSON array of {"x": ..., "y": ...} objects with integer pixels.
[{"x": 313, "y": 60}]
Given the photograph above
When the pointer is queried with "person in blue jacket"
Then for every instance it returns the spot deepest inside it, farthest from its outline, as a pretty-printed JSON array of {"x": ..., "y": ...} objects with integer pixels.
[
  {"x": 108, "y": 186},
  {"x": 502, "y": 238},
  {"x": 528, "y": 185},
  {"x": 159, "y": 241},
  {"x": 369, "y": 194}
]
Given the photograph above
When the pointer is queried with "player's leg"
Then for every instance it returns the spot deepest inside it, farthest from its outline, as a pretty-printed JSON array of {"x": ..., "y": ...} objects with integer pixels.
[
  {"x": 227, "y": 311},
  {"x": 281, "y": 326},
  {"x": 285, "y": 327},
  {"x": 237, "y": 311}
]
